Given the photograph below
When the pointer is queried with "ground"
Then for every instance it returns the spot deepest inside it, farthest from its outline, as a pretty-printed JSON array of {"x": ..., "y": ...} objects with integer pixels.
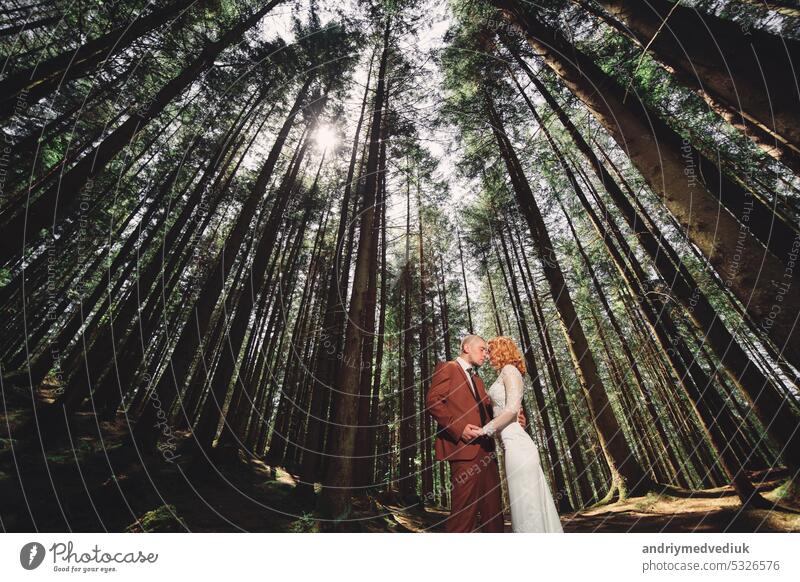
[{"x": 137, "y": 493}]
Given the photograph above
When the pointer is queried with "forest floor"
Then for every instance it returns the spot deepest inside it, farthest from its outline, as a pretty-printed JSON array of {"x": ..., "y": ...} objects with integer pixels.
[
  {"x": 707, "y": 510},
  {"x": 93, "y": 483}
]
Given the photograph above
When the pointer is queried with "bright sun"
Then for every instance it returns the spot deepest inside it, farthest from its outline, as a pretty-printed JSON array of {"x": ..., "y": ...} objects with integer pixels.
[{"x": 325, "y": 137}]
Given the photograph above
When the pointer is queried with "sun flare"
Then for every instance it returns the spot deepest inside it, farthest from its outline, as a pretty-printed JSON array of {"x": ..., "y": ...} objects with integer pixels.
[{"x": 325, "y": 137}]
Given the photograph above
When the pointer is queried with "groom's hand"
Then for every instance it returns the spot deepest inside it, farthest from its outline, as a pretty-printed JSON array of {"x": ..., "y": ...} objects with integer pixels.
[
  {"x": 521, "y": 419},
  {"x": 470, "y": 432}
]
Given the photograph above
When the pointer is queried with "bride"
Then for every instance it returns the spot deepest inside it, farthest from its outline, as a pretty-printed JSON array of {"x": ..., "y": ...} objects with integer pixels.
[{"x": 532, "y": 505}]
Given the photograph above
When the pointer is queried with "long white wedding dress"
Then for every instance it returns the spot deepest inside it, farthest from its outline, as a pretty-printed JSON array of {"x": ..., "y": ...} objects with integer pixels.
[{"x": 532, "y": 505}]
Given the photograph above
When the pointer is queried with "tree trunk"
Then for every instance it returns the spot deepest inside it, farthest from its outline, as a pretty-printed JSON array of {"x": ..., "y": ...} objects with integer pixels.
[
  {"x": 334, "y": 501},
  {"x": 769, "y": 405},
  {"x": 25, "y": 225},
  {"x": 192, "y": 333},
  {"x": 757, "y": 277},
  {"x": 628, "y": 476},
  {"x": 745, "y": 75},
  {"x": 36, "y": 82}
]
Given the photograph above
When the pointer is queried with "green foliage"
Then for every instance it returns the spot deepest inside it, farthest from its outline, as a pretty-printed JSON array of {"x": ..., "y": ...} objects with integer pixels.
[
  {"x": 307, "y": 523},
  {"x": 161, "y": 519}
]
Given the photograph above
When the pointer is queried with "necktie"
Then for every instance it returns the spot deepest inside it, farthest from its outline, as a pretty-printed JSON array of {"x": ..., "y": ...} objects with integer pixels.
[{"x": 484, "y": 416}]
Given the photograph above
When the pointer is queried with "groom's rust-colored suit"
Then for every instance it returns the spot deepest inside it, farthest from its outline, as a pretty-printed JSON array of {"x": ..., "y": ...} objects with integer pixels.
[{"x": 474, "y": 472}]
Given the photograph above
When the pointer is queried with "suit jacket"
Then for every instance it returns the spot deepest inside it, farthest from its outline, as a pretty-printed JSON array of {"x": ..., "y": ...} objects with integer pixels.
[{"x": 452, "y": 405}]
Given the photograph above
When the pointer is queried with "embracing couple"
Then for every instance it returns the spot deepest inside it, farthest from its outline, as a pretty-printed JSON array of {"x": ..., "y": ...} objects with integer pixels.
[{"x": 469, "y": 419}]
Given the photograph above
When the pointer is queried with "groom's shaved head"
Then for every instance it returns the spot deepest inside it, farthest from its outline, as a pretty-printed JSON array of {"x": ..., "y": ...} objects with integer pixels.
[
  {"x": 468, "y": 340},
  {"x": 474, "y": 349}
]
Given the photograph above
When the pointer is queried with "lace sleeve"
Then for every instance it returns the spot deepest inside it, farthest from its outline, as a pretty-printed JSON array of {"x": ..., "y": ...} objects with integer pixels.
[{"x": 512, "y": 381}]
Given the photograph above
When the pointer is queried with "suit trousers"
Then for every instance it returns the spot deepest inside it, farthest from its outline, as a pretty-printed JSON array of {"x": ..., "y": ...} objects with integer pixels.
[{"x": 475, "y": 497}]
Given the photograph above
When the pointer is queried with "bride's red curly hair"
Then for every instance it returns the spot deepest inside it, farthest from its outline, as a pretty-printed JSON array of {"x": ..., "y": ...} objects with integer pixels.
[{"x": 504, "y": 351}]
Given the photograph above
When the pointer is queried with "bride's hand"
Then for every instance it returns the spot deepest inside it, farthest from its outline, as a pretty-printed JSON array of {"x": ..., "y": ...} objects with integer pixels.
[{"x": 523, "y": 422}]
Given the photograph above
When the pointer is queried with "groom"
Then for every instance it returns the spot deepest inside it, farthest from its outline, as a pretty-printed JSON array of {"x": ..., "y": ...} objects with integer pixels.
[{"x": 458, "y": 401}]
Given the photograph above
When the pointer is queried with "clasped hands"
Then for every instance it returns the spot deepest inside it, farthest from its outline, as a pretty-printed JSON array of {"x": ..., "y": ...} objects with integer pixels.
[{"x": 472, "y": 431}]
